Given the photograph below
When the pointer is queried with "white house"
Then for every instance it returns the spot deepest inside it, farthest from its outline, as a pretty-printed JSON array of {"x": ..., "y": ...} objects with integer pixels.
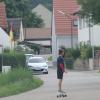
[
  {"x": 4, "y": 40},
  {"x": 44, "y": 13},
  {"x": 64, "y": 30},
  {"x": 87, "y": 33}
]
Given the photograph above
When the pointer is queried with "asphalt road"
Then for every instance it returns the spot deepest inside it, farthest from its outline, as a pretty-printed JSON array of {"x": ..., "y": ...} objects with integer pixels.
[{"x": 78, "y": 85}]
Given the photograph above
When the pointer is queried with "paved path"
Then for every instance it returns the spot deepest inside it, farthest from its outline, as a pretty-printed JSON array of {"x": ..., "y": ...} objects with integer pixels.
[{"x": 78, "y": 85}]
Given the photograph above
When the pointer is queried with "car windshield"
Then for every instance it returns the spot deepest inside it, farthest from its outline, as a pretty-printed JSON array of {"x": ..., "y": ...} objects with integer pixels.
[
  {"x": 28, "y": 56},
  {"x": 37, "y": 60}
]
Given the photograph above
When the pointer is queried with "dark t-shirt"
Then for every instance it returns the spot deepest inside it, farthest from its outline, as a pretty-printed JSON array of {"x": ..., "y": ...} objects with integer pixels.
[{"x": 60, "y": 64}]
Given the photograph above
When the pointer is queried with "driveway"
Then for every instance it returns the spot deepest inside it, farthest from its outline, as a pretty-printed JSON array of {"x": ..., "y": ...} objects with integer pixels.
[{"x": 78, "y": 85}]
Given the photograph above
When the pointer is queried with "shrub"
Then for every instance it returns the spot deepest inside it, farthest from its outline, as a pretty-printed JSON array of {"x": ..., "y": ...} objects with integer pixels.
[
  {"x": 72, "y": 53},
  {"x": 85, "y": 51},
  {"x": 69, "y": 63},
  {"x": 49, "y": 58},
  {"x": 20, "y": 58},
  {"x": 13, "y": 59},
  {"x": 6, "y": 50}
]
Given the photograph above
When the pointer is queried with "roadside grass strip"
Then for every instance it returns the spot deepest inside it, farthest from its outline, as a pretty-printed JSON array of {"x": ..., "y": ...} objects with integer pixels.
[{"x": 18, "y": 81}]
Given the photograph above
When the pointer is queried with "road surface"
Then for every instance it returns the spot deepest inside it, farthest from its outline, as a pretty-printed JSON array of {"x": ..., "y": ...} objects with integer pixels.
[{"x": 78, "y": 85}]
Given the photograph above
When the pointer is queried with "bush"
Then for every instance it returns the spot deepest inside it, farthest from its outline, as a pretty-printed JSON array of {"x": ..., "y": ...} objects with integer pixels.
[
  {"x": 20, "y": 58},
  {"x": 72, "y": 53},
  {"x": 13, "y": 59},
  {"x": 49, "y": 58},
  {"x": 85, "y": 51},
  {"x": 6, "y": 50},
  {"x": 69, "y": 63}
]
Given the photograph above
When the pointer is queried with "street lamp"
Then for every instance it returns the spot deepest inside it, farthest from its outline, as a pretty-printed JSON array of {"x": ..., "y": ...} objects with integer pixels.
[{"x": 69, "y": 16}]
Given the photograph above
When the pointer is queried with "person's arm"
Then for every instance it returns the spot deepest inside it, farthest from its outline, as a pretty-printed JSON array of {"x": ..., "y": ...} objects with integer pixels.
[{"x": 62, "y": 67}]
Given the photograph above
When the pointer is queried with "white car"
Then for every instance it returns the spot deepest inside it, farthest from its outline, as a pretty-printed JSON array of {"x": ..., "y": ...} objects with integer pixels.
[
  {"x": 38, "y": 64},
  {"x": 27, "y": 56}
]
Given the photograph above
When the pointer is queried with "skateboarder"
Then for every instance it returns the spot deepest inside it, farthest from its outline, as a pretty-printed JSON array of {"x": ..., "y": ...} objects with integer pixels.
[{"x": 60, "y": 69}]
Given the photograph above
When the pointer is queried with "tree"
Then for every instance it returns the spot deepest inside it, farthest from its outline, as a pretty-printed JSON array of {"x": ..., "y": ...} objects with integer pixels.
[
  {"x": 90, "y": 8},
  {"x": 1, "y": 0},
  {"x": 22, "y": 8}
]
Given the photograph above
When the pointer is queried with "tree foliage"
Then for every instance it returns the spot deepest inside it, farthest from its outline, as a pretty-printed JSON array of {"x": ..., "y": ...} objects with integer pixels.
[
  {"x": 22, "y": 8},
  {"x": 90, "y": 8}
]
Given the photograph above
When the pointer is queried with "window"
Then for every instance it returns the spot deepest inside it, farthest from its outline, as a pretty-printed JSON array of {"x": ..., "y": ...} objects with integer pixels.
[{"x": 75, "y": 22}]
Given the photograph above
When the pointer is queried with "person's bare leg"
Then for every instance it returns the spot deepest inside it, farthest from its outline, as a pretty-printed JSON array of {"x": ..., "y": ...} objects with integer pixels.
[{"x": 60, "y": 85}]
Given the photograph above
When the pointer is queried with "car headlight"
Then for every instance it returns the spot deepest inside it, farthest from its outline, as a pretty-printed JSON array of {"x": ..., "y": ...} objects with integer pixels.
[{"x": 44, "y": 66}]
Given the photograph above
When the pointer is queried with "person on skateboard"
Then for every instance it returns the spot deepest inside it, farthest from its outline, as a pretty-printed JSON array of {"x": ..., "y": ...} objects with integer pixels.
[{"x": 60, "y": 69}]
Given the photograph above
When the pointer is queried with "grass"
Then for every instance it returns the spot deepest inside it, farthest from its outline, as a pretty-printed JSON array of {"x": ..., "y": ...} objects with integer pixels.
[
  {"x": 17, "y": 81},
  {"x": 50, "y": 58}
]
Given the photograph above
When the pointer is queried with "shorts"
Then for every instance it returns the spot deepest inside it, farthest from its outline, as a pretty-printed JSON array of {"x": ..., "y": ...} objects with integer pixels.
[{"x": 59, "y": 75}]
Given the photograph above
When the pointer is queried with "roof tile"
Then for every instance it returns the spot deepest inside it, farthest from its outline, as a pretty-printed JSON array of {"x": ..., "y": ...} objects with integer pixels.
[
  {"x": 3, "y": 22},
  {"x": 37, "y": 33},
  {"x": 63, "y": 23}
]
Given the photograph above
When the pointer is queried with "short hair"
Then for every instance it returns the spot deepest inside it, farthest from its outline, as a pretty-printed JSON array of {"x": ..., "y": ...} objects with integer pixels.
[{"x": 61, "y": 51}]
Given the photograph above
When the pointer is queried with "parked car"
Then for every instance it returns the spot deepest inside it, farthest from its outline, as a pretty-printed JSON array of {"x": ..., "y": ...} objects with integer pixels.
[
  {"x": 27, "y": 56},
  {"x": 38, "y": 65},
  {"x": 23, "y": 48}
]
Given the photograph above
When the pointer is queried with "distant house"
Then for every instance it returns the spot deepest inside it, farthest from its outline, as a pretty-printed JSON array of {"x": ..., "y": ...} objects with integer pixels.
[
  {"x": 64, "y": 25},
  {"x": 41, "y": 36},
  {"x": 17, "y": 28},
  {"x": 3, "y": 21},
  {"x": 44, "y": 13},
  {"x": 88, "y": 33}
]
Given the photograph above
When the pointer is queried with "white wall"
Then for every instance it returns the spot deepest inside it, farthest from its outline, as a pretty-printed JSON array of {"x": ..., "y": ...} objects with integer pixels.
[
  {"x": 44, "y": 13},
  {"x": 4, "y": 39},
  {"x": 83, "y": 35},
  {"x": 65, "y": 40},
  {"x": 96, "y": 35}
]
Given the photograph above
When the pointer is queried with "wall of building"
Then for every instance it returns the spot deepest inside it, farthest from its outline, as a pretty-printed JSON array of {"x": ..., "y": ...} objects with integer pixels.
[
  {"x": 4, "y": 39},
  {"x": 45, "y": 14},
  {"x": 67, "y": 41},
  {"x": 83, "y": 35}
]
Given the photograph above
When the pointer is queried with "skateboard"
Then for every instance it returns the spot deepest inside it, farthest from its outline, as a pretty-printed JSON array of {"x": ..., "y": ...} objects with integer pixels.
[{"x": 61, "y": 94}]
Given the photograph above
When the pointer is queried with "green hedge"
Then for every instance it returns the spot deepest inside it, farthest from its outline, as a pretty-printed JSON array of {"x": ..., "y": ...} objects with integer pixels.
[
  {"x": 12, "y": 59},
  {"x": 69, "y": 63}
]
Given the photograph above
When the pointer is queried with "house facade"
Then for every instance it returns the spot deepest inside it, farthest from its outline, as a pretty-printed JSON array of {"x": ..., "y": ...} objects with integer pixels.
[
  {"x": 39, "y": 36},
  {"x": 5, "y": 40},
  {"x": 64, "y": 25},
  {"x": 44, "y": 13},
  {"x": 88, "y": 33}
]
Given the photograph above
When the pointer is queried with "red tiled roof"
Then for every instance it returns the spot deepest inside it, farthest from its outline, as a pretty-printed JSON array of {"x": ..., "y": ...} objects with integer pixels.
[
  {"x": 63, "y": 24},
  {"x": 3, "y": 22},
  {"x": 37, "y": 33}
]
